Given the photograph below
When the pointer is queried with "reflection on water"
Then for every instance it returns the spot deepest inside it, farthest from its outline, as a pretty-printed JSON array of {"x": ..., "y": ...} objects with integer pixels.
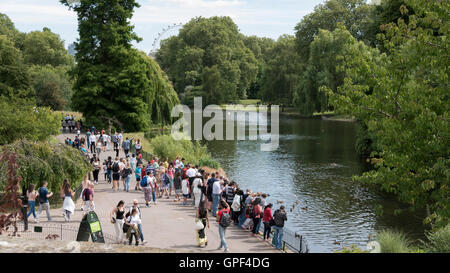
[{"x": 314, "y": 165}]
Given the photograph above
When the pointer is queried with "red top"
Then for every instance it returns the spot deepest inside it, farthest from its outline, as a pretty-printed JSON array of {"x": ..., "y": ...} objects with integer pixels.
[
  {"x": 219, "y": 214},
  {"x": 267, "y": 215}
]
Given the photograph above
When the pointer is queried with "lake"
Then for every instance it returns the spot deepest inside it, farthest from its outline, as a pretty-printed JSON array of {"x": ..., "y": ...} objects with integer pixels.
[{"x": 314, "y": 165}]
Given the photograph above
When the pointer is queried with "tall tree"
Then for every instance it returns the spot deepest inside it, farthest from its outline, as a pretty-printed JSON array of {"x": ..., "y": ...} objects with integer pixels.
[
  {"x": 111, "y": 78},
  {"x": 281, "y": 72},
  {"x": 14, "y": 75},
  {"x": 353, "y": 14},
  {"x": 45, "y": 47},
  {"x": 402, "y": 97},
  {"x": 204, "y": 47},
  {"x": 8, "y": 29}
]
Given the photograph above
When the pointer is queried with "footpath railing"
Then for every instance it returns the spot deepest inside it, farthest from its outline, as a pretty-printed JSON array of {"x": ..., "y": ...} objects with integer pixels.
[{"x": 52, "y": 231}]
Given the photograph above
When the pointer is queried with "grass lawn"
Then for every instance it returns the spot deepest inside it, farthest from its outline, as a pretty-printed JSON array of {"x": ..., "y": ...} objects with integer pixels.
[{"x": 144, "y": 142}]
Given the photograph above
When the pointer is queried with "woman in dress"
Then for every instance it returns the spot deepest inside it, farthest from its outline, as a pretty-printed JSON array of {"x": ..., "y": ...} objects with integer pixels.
[
  {"x": 202, "y": 216},
  {"x": 69, "y": 205}
]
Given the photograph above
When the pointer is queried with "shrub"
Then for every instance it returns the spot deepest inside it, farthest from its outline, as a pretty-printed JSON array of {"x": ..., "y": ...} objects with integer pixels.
[
  {"x": 195, "y": 153},
  {"x": 392, "y": 241},
  {"x": 438, "y": 241},
  {"x": 39, "y": 161}
]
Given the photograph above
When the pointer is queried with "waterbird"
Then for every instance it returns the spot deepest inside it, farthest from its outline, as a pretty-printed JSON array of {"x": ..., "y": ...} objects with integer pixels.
[
  {"x": 305, "y": 208},
  {"x": 279, "y": 202},
  {"x": 336, "y": 242}
]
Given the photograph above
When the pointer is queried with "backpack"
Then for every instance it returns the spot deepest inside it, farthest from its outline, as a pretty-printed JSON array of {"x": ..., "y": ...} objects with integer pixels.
[
  {"x": 278, "y": 218},
  {"x": 225, "y": 220},
  {"x": 144, "y": 182},
  {"x": 251, "y": 212},
  {"x": 115, "y": 167}
]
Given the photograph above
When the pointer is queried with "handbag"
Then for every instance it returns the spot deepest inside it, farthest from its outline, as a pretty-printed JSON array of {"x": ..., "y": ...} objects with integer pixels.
[{"x": 199, "y": 225}]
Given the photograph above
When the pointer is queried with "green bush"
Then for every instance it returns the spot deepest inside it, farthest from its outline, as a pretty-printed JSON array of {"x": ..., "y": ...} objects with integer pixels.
[
  {"x": 165, "y": 146},
  {"x": 392, "y": 241},
  {"x": 438, "y": 241},
  {"x": 39, "y": 161}
]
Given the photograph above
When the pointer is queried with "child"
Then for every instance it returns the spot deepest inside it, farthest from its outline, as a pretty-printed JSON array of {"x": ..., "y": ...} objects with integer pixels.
[
  {"x": 137, "y": 172},
  {"x": 185, "y": 190}
]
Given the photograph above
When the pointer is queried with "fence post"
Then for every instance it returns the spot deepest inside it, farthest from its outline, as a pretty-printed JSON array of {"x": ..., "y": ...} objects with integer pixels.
[{"x": 61, "y": 232}]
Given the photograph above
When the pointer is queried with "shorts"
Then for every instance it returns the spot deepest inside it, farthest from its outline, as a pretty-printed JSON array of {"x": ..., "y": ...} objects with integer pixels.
[
  {"x": 147, "y": 192},
  {"x": 138, "y": 178},
  {"x": 185, "y": 195},
  {"x": 116, "y": 176}
]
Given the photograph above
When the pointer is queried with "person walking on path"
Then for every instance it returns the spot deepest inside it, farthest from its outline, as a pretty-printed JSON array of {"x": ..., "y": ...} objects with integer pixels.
[
  {"x": 267, "y": 217},
  {"x": 31, "y": 196},
  {"x": 279, "y": 217},
  {"x": 165, "y": 178},
  {"x": 88, "y": 197},
  {"x": 118, "y": 220},
  {"x": 97, "y": 166},
  {"x": 224, "y": 220},
  {"x": 185, "y": 190},
  {"x": 197, "y": 183},
  {"x": 177, "y": 186},
  {"x": 68, "y": 205},
  {"x": 116, "y": 174},
  {"x": 216, "y": 192},
  {"x": 126, "y": 145},
  {"x": 92, "y": 140},
  {"x": 137, "y": 173},
  {"x": 44, "y": 195},
  {"x": 136, "y": 207},
  {"x": 237, "y": 205},
  {"x": 126, "y": 173},
  {"x": 202, "y": 216},
  {"x": 133, "y": 221}
]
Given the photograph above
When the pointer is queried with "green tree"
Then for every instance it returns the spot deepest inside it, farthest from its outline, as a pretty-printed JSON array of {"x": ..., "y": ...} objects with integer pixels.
[
  {"x": 20, "y": 119},
  {"x": 353, "y": 14},
  {"x": 327, "y": 53},
  {"x": 8, "y": 29},
  {"x": 202, "y": 44},
  {"x": 260, "y": 46},
  {"x": 14, "y": 75},
  {"x": 281, "y": 72},
  {"x": 45, "y": 47},
  {"x": 52, "y": 86},
  {"x": 402, "y": 97},
  {"x": 111, "y": 76}
]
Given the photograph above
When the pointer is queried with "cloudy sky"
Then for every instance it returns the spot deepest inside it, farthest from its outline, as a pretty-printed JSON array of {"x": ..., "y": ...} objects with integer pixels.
[{"x": 264, "y": 18}]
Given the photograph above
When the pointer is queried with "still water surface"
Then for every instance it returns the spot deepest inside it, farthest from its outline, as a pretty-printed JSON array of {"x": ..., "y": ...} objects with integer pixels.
[{"x": 314, "y": 165}]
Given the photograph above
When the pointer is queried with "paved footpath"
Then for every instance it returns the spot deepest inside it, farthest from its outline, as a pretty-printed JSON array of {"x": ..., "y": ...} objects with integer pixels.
[{"x": 167, "y": 224}]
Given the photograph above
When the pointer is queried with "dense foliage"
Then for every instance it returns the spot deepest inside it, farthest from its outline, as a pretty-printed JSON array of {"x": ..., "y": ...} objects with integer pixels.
[
  {"x": 165, "y": 146},
  {"x": 402, "y": 97},
  {"x": 115, "y": 85},
  {"x": 209, "y": 58},
  {"x": 41, "y": 161},
  {"x": 35, "y": 66},
  {"x": 20, "y": 119}
]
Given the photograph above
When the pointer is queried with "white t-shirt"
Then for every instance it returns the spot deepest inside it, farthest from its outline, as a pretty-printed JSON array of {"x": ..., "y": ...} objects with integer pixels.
[
  {"x": 151, "y": 181},
  {"x": 191, "y": 172},
  {"x": 195, "y": 184},
  {"x": 216, "y": 187},
  {"x": 184, "y": 186},
  {"x": 92, "y": 138}
]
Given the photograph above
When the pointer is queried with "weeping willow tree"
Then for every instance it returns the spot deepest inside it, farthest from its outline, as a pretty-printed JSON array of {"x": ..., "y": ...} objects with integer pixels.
[
  {"x": 160, "y": 96},
  {"x": 41, "y": 161}
]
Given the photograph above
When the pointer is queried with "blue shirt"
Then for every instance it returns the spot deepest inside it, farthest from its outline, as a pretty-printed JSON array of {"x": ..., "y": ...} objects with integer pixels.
[{"x": 43, "y": 195}]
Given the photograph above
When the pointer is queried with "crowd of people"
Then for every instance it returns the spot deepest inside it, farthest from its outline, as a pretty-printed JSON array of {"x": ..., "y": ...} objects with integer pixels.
[{"x": 211, "y": 194}]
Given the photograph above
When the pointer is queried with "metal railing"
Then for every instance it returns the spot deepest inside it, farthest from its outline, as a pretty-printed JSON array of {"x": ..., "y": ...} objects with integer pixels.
[
  {"x": 47, "y": 231},
  {"x": 291, "y": 240}
]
